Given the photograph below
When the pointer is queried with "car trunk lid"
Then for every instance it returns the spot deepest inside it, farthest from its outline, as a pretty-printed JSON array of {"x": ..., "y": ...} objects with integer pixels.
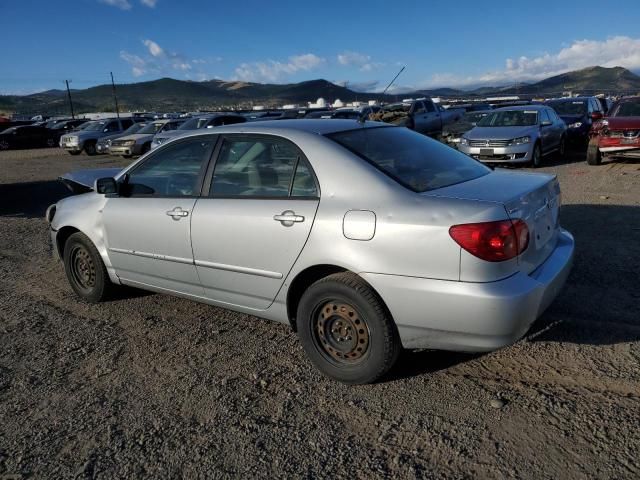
[{"x": 532, "y": 197}]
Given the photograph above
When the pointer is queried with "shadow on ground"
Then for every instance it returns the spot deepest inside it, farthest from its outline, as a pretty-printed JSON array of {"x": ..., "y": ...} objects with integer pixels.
[{"x": 30, "y": 199}]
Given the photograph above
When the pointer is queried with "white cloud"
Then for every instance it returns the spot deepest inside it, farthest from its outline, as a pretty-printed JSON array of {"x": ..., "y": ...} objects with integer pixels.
[
  {"x": 273, "y": 71},
  {"x": 154, "y": 49},
  {"x": 613, "y": 52},
  {"x": 121, "y": 4},
  {"x": 139, "y": 66},
  {"x": 360, "y": 60},
  {"x": 149, "y": 3}
]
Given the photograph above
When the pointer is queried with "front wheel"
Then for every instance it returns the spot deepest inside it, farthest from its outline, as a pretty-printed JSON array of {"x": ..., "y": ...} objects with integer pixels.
[
  {"x": 90, "y": 148},
  {"x": 561, "y": 148},
  {"x": 85, "y": 269},
  {"x": 594, "y": 157},
  {"x": 346, "y": 330},
  {"x": 75, "y": 152},
  {"x": 536, "y": 157}
]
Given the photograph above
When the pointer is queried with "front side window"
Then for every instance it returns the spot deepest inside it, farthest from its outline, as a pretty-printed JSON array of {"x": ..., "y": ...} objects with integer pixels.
[
  {"x": 412, "y": 159},
  {"x": 419, "y": 107},
  {"x": 261, "y": 167},
  {"x": 171, "y": 172},
  {"x": 544, "y": 117}
]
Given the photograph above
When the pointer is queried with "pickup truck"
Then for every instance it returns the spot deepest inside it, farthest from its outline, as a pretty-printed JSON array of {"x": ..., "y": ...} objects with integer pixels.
[
  {"x": 87, "y": 138},
  {"x": 422, "y": 115}
]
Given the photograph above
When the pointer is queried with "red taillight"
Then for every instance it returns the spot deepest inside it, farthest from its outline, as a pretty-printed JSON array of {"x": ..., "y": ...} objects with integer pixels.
[{"x": 492, "y": 241}]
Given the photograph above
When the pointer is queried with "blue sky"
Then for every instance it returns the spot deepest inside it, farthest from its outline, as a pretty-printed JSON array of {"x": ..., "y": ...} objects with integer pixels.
[{"x": 442, "y": 43}]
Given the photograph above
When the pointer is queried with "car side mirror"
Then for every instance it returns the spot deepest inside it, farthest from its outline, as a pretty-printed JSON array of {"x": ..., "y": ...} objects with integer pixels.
[
  {"x": 545, "y": 123},
  {"x": 105, "y": 186},
  {"x": 596, "y": 116}
]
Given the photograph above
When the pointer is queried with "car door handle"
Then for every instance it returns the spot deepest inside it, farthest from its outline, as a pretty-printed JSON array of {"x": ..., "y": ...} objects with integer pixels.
[
  {"x": 288, "y": 218},
  {"x": 177, "y": 213}
]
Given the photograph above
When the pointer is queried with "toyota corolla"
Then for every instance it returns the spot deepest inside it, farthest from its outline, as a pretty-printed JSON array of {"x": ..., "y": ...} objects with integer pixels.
[{"x": 366, "y": 238}]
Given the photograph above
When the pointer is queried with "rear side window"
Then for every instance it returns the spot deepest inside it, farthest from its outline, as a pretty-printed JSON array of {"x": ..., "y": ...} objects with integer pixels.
[
  {"x": 413, "y": 160},
  {"x": 261, "y": 167}
]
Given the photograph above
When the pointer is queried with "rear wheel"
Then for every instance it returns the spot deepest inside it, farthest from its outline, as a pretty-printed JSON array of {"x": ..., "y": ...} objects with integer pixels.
[
  {"x": 85, "y": 269},
  {"x": 346, "y": 330},
  {"x": 594, "y": 157},
  {"x": 90, "y": 148}
]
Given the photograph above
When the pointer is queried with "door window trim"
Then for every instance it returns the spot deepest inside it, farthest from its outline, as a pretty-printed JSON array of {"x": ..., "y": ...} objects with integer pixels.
[
  {"x": 215, "y": 138},
  {"x": 208, "y": 178}
]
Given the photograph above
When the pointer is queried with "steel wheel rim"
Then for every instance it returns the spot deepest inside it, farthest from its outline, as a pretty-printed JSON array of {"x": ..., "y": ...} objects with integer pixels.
[
  {"x": 83, "y": 269},
  {"x": 341, "y": 334}
]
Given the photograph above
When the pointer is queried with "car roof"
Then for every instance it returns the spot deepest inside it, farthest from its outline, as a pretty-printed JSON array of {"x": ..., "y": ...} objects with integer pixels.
[
  {"x": 318, "y": 126},
  {"x": 569, "y": 99},
  {"x": 521, "y": 107}
]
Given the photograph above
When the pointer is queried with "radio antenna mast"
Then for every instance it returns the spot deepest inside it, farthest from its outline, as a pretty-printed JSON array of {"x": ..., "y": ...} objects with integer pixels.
[{"x": 394, "y": 79}]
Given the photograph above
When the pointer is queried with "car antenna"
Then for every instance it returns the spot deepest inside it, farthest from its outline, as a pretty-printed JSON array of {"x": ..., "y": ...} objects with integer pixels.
[{"x": 361, "y": 119}]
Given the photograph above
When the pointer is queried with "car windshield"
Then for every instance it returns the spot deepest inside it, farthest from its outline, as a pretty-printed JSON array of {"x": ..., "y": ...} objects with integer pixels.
[
  {"x": 95, "y": 126},
  {"x": 510, "y": 118},
  {"x": 474, "y": 117},
  {"x": 572, "y": 107},
  {"x": 133, "y": 129},
  {"x": 152, "y": 127},
  {"x": 627, "y": 109},
  {"x": 194, "y": 123},
  {"x": 412, "y": 159}
]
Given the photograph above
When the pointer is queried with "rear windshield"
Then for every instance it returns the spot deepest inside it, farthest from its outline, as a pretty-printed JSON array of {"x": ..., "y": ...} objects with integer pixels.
[
  {"x": 570, "y": 107},
  {"x": 412, "y": 159}
]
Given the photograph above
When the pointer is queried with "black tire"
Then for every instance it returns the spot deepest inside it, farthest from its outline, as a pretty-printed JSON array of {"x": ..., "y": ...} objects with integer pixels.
[
  {"x": 75, "y": 152},
  {"x": 536, "y": 156},
  {"x": 145, "y": 148},
  {"x": 90, "y": 148},
  {"x": 346, "y": 330},
  {"x": 594, "y": 157},
  {"x": 85, "y": 269},
  {"x": 562, "y": 148}
]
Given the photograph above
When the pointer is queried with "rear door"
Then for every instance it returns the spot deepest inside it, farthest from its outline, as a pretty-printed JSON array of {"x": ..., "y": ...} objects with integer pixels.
[
  {"x": 147, "y": 227},
  {"x": 258, "y": 205}
]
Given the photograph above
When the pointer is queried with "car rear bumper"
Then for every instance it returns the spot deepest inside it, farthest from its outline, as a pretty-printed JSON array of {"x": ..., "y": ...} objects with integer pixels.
[
  {"x": 473, "y": 317},
  {"x": 511, "y": 154}
]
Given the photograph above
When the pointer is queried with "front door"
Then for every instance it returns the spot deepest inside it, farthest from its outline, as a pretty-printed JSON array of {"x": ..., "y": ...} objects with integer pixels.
[
  {"x": 249, "y": 229},
  {"x": 147, "y": 226}
]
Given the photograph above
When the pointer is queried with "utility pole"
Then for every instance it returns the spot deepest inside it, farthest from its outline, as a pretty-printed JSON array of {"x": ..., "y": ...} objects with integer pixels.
[
  {"x": 115, "y": 97},
  {"x": 70, "y": 102}
]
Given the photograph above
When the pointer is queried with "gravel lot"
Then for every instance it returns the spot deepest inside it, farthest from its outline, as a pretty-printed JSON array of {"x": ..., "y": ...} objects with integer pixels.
[{"x": 153, "y": 386}]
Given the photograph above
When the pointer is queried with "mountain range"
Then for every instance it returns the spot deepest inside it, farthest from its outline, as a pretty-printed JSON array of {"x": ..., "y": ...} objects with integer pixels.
[{"x": 168, "y": 94}]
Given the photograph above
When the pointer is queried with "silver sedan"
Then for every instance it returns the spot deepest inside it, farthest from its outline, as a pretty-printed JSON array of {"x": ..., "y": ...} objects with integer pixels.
[
  {"x": 365, "y": 237},
  {"x": 523, "y": 134}
]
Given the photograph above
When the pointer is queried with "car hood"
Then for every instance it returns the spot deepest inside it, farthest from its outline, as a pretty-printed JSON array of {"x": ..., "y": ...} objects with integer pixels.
[
  {"x": 622, "y": 123},
  {"x": 111, "y": 137},
  {"x": 137, "y": 136},
  {"x": 499, "y": 133},
  {"x": 82, "y": 181},
  {"x": 457, "y": 128}
]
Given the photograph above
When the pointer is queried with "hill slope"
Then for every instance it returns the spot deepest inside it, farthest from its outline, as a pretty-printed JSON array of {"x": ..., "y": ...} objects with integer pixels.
[{"x": 166, "y": 94}]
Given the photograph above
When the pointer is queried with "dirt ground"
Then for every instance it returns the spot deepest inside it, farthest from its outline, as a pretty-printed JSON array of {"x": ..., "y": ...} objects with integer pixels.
[{"x": 153, "y": 386}]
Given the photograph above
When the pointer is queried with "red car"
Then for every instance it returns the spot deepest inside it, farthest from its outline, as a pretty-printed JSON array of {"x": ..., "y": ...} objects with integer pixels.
[{"x": 618, "y": 135}]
